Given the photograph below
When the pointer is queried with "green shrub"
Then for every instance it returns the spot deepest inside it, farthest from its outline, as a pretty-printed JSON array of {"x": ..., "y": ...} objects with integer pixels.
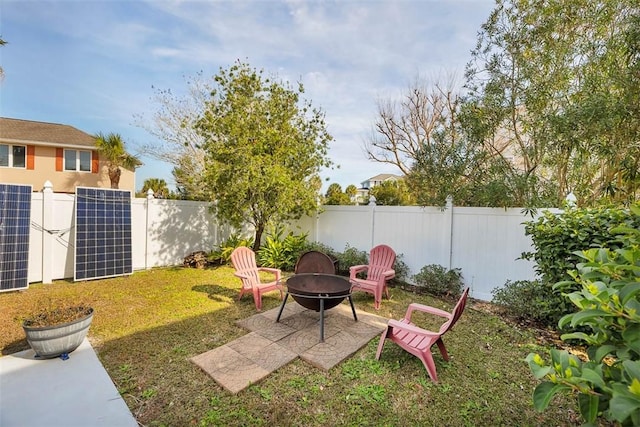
[
  {"x": 558, "y": 238},
  {"x": 529, "y": 300},
  {"x": 607, "y": 384},
  {"x": 440, "y": 281},
  {"x": 401, "y": 269},
  {"x": 350, "y": 257},
  {"x": 320, "y": 247},
  {"x": 222, "y": 254},
  {"x": 281, "y": 252}
]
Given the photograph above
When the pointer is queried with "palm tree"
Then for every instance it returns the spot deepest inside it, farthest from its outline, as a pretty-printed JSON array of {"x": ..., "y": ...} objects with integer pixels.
[
  {"x": 112, "y": 148},
  {"x": 158, "y": 186}
]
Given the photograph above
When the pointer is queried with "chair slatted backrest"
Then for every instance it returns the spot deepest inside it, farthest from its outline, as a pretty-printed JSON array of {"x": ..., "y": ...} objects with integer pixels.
[
  {"x": 381, "y": 259},
  {"x": 456, "y": 313},
  {"x": 244, "y": 261}
]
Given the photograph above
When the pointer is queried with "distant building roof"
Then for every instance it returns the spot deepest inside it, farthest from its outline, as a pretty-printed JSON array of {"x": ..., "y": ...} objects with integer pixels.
[
  {"x": 384, "y": 177},
  {"x": 380, "y": 178},
  {"x": 42, "y": 133}
]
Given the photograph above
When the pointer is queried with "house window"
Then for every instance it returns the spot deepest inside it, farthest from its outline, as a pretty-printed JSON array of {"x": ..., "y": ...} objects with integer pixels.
[
  {"x": 77, "y": 160},
  {"x": 13, "y": 156}
]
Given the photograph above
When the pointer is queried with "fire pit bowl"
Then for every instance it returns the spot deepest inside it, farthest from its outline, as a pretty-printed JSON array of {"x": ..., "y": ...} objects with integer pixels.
[
  {"x": 328, "y": 287},
  {"x": 319, "y": 292}
]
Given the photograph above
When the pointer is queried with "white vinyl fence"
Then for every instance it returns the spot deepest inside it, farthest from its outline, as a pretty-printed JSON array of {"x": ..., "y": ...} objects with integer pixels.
[
  {"x": 163, "y": 233},
  {"x": 484, "y": 243}
]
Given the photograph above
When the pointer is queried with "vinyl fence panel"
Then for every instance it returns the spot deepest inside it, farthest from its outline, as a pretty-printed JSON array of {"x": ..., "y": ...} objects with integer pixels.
[{"x": 484, "y": 243}]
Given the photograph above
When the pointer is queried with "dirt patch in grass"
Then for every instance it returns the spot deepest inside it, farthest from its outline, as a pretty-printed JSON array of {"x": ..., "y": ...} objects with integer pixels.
[{"x": 148, "y": 325}]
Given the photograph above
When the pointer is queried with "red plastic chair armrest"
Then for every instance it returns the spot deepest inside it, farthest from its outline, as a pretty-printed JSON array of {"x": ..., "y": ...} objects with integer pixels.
[
  {"x": 242, "y": 275},
  {"x": 426, "y": 309},
  {"x": 355, "y": 269},
  {"x": 410, "y": 328},
  {"x": 389, "y": 274},
  {"x": 275, "y": 271}
]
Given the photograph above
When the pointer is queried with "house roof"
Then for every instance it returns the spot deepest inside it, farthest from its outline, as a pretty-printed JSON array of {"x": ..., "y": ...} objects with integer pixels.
[
  {"x": 384, "y": 177},
  {"x": 42, "y": 133}
]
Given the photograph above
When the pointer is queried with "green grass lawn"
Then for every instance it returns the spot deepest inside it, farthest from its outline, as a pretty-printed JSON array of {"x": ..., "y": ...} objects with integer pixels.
[{"x": 146, "y": 327}]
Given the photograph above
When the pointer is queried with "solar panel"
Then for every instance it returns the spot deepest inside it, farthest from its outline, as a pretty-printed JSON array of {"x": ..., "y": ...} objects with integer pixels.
[
  {"x": 15, "y": 223},
  {"x": 103, "y": 233}
]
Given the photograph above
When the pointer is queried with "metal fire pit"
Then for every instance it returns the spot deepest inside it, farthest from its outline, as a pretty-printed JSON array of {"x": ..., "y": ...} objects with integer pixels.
[{"x": 319, "y": 292}]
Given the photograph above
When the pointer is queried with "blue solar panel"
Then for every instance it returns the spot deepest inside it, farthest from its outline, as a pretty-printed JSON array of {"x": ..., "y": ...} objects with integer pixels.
[
  {"x": 15, "y": 221},
  {"x": 103, "y": 233}
]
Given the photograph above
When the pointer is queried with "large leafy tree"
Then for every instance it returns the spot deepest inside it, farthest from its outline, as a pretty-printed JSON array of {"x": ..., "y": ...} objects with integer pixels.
[
  {"x": 392, "y": 193},
  {"x": 112, "y": 147},
  {"x": 264, "y": 149},
  {"x": 335, "y": 196},
  {"x": 552, "y": 95}
]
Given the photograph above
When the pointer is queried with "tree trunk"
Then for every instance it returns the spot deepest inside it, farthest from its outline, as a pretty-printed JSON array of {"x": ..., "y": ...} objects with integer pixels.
[
  {"x": 258, "y": 237},
  {"x": 114, "y": 177}
]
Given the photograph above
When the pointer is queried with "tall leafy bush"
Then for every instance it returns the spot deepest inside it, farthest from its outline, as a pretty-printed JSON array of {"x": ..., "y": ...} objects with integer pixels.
[
  {"x": 607, "y": 384},
  {"x": 222, "y": 254},
  {"x": 558, "y": 240},
  {"x": 280, "y": 250}
]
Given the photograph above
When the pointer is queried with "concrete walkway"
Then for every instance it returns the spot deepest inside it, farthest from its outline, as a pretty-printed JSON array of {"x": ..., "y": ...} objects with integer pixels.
[
  {"x": 270, "y": 345},
  {"x": 60, "y": 393}
]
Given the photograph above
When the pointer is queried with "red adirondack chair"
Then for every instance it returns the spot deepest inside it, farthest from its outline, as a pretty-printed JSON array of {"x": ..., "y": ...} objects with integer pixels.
[
  {"x": 244, "y": 261},
  {"x": 418, "y": 341},
  {"x": 379, "y": 270}
]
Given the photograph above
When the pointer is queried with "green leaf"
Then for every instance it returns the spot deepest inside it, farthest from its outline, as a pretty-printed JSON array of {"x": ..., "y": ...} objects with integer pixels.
[
  {"x": 537, "y": 365},
  {"x": 593, "y": 377},
  {"x": 564, "y": 320},
  {"x": 632, "y": 368},
  {"x": 629, "y": 291},
  {"x": 588, "y": 404},
  {"x": 584, "y": 316},
  {"x": 631, "y": 337},
  {"x": 564, "y": 284},
  {"x": 544, "y": 392},
  {"x": 603, "y": 351},
  {"x": 577, "y": 336},
  {"x": 621, "y": 407}
]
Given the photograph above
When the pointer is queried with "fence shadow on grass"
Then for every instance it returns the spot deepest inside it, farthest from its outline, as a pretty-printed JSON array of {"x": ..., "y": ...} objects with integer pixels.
[{"x": 217, "y": 292}]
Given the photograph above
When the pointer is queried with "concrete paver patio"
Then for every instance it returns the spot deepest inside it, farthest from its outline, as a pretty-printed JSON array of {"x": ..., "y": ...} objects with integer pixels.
[{"x": 270, "y": 345}]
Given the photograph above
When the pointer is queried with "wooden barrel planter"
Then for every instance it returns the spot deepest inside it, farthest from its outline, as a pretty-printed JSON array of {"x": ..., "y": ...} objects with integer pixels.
[{"x": 59, "y": 339}]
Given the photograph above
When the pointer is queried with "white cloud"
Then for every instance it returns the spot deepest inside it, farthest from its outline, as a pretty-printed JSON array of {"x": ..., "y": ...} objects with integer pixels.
[{"x": 92, "y": 64}]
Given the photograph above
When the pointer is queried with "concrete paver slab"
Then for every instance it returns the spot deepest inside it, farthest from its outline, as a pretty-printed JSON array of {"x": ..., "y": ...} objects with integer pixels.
[
  {"x": 271, "y": 345},
  {"x": 230, "y": 369}
]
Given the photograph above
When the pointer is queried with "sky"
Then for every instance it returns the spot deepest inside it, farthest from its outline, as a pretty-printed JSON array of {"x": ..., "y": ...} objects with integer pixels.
[{"x": 94, "y": 64}]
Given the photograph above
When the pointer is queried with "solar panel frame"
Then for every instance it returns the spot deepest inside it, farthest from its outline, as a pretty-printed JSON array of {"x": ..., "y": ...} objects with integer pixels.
[
  {"x": 103, "y": 233},
  {"x": 15, "y": 227}
]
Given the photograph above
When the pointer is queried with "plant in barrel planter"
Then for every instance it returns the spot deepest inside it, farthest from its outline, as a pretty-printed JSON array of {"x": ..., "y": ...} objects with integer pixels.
[{"x": 59, "y": 331}]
